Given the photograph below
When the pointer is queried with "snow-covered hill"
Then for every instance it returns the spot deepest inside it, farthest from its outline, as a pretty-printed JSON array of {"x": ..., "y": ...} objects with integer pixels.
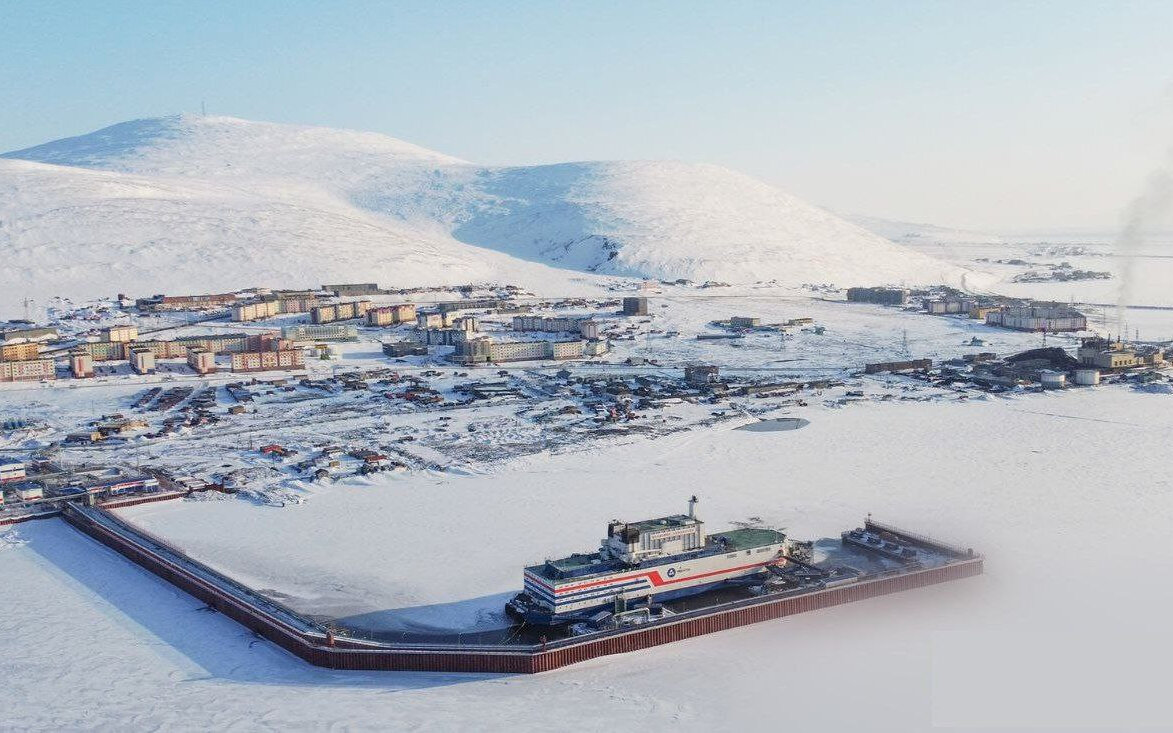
[
  {"x": 904, "y": 232},
  {"x": 191, "y": 202}
]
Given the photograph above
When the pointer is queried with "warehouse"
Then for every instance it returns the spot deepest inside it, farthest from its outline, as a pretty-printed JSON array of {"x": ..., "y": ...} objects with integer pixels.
[
  {"x": 898, "y": 366},
  {"x": 880, "y": 296},
  {"x": 701, "y": 376},
  {"x": 745, "y": 321},
  {"x": 948, "y": 306},
  {"x": 344, "y": 290}
]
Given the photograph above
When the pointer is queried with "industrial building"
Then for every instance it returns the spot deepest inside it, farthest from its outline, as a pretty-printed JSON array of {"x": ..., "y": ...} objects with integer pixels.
[
  {"x": 472, "y": 304},
  {"x": 635, "y": 306},
  {"x": 745, "y": 321},
  {"x": 898, "y": 366},
  {"x": 261, "y": 361},
  {"x": 880, "y": 296},
  {"x": 142, "y": 360},
  {"x": 701, "y": 376},
  {"x": 1051, "y": 319},
  {"x": 27, "y": 371},
  {"x": 948, "y": 306},
  {"x": 1112, "y": 355},
  {"x": 979, "y": 312},
  {"x": 323, "y": 332},
  {"x": 81, "y": 364},
  {"x": 391, "y": 315},
  {"x": 345, "y": 290}
]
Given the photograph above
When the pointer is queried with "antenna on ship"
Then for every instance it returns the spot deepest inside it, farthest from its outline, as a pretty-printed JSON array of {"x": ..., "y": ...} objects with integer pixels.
[{"x": 692, "y": 502}]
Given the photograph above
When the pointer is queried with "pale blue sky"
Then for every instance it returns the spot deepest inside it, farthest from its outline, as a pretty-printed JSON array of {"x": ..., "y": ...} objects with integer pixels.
[{"x": 984, "y": 114}]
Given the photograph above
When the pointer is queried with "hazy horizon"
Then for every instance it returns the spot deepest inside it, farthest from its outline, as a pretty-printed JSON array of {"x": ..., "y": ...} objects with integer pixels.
[{"x": 994, "y": 117}]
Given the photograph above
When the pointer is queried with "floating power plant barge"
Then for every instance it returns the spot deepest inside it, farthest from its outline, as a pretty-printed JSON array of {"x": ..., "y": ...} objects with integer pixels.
[
  {"x": 650, "y": 583},
  {"x": 653, "y": 560}
]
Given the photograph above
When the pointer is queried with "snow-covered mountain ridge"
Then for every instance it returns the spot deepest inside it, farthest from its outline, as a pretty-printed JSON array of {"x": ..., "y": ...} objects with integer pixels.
[{"x": 187, "y": 202}]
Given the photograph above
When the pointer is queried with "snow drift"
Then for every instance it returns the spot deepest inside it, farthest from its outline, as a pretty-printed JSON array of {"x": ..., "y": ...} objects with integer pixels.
[{"x": 193, "y": 202}]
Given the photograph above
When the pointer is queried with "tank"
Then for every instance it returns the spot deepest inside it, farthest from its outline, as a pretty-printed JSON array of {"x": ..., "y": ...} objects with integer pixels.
[
  {"x": 1087, "y": 377},
  {"x": 1053, "y": 380}
]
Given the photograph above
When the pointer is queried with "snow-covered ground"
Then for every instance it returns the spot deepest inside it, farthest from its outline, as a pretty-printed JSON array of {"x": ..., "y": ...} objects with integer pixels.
[{"x": 1068, "y": 495}]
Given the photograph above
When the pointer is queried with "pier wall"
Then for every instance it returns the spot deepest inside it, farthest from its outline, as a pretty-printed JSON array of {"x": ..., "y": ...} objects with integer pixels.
[{"x": 316, "y": 645}]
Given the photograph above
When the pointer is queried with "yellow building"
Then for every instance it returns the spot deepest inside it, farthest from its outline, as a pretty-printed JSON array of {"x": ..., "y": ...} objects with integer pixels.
[
  {"x": 120, "y": 334},
  {"x": 20, "y": 352}
]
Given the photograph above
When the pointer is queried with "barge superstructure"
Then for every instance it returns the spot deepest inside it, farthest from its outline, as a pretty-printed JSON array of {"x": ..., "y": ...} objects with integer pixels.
[{"x": 651, "y": 560}]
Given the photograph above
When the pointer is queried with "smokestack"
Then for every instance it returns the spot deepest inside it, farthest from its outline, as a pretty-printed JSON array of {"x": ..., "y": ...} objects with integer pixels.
[{"x": 692, "y": 507}]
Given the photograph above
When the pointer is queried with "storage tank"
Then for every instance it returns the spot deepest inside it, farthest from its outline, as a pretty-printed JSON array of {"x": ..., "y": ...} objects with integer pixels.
[
  {"x": 1053, "y": 380},
  {"x": 1087, "y": 377}
]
